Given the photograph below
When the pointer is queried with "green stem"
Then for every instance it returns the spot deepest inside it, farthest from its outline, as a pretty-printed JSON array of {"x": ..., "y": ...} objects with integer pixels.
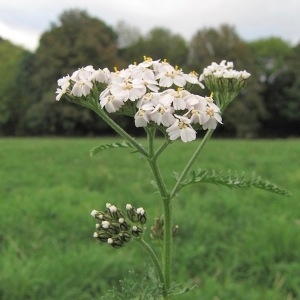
[
  {"x": 156, "y": 263},
  {"x": 167, "y": 250},
  {"x": 100, "y": 112},
  {"x": 167, "y": 244},
  {"x": 177, "y": 186},
  {"x": 152, "y": 161}
]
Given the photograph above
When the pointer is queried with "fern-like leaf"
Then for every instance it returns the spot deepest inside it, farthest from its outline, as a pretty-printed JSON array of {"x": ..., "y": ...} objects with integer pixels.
[
  {"x": 233, "y": 180},
  {"x": 97, "y": 149}
]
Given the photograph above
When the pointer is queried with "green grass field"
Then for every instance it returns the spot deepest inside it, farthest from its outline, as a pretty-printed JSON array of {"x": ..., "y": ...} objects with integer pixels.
[{"x": 234, "y": 244}]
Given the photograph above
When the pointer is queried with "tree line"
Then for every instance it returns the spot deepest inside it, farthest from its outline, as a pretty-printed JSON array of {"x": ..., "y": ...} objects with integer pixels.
[{"x": 267, "y": 107}]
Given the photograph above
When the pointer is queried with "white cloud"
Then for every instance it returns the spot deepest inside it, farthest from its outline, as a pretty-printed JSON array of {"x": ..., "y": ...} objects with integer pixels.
[
  {"x": 26, "y": 38},
  {"x": 252, "y": 19}
]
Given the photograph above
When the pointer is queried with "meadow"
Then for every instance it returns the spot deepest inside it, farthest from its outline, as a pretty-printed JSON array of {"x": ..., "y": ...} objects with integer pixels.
[{"x": 233, "y": 244}]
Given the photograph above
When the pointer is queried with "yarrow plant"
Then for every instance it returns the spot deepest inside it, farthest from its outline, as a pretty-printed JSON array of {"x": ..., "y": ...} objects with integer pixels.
[{"x": 158, "y": 97}]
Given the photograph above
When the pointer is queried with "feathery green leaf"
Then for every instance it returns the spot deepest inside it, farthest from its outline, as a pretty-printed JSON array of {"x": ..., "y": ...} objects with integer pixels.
[
  {"x": 233, "y": 180},
  {"x": 97, "y": 149}
]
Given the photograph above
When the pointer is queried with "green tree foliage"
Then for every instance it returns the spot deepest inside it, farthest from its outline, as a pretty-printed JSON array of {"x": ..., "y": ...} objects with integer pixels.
[
  {"x": 159, "y": 43},
  {"x": 282, "y": 98},
  {"x": 210, "y": 44},
  {"x": 269, "y": 55},
  {"x": 11, "y": 99},
  {"x": 76, "y": 40}
]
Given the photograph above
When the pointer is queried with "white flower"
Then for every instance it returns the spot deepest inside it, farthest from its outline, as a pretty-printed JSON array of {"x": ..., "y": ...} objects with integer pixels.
[
  {"x": 196, "y": 112},
  {"x": 111, "y": 102},
  {"x": 121, "y": 220},
  {"x": 171, "y": 76},
  {"x": 148, "y": 62},
  {"x": 147, "y": 76},
  {"x": 193, "y": 100},
  {"x": 81, "y": 88},
  {"x": 60, "y": 93},
  {"x": 182, "y": 128},
  {"x": 211, "y": 117},
  {"x": 95, "y": 235},
  {"x": 107, "y": 205},
  {"x": 102, "y": 76},
  {"x": 193, "y": 78},
  {"x": 128, "y": 89},
  {"x": 83, "y": 73},
  {"x": 110, "y": 241},
  {"x": 163, "y": 112},
  {"x": 245, "y": 74},
  {"x": 64, "y": 82},
  {"x": 142, "y": 116},
  {"x": 179, "y": 98},
  {"x": 134, "y": 228}
]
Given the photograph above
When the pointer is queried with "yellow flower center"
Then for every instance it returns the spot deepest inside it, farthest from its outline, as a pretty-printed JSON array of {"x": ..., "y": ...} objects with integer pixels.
[
  {"x": 210, "y": 111},
  {"x": 182, "y": 125}
]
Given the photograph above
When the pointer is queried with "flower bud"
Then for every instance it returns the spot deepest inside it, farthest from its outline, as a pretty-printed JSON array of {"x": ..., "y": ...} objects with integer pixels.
[
  {"x": 136, "y": 231},
  {"x": 157, "y": 230},
  {"x": 141, "y": 215},
  {"x": 123, "y": 224},
  {"x": 113, "y": 228},
  {"x": 131, "y": 213},
  {"x": 125, "y": 236},
  {"x": 103, "y": 236},
  {"x": 115, "y": 242}
]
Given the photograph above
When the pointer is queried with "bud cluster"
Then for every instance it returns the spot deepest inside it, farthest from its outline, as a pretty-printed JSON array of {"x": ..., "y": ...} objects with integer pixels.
[
  {"x": 116, "y": 228},
  {"x": 224, "y": 81}
]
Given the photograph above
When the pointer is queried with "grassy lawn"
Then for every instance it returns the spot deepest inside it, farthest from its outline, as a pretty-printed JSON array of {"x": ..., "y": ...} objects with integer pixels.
[{"x": 234, "y": 244}]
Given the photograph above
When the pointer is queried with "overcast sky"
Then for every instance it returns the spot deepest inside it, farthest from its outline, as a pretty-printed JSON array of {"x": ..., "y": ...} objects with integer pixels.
[{"x": 23, "y": 21}]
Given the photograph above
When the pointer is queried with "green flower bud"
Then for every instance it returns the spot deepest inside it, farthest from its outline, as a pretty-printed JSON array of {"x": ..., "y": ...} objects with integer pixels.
[
  {"x": 125, "y": 236},
  {"x": 136, "y": 231},
  {"x": 142, "y": 218},
  {"x": 103, "y": 236},
  {"x": 123, "y": 224},
  {"x": 115, "y": 242},
  {"x": 131, "y": 213}
]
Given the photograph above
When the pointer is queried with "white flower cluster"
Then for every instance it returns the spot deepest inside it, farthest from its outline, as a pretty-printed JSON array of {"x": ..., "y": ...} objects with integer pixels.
[
  {"x": 224, "y": 70},
  {"x": 158, "y": 92}
]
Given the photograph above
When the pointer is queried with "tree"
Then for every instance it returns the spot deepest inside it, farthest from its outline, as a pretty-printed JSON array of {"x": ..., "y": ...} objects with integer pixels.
[
  {"x": 159, "y": 43},
  {"x": 269, "y": 55},
  {"x": 282, "y": 98},
  {"x": 76, "y": 40},
  {"x": 12, "y": 96},
  {"x": 242, "y": 118}
]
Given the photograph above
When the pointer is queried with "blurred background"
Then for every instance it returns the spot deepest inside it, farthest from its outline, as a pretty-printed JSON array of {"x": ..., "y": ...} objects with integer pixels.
[{"x": 40, "y": 41}]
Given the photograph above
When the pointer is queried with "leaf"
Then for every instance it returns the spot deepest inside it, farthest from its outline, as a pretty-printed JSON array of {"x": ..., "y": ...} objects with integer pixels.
[
  {"x": 233, "y": 180},
  {"x": 97, "y": 149}
]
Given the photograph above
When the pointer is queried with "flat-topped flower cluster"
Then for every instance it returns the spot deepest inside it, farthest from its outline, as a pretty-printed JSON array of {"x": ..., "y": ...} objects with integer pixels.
[{"x": 156, "y": 90}]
